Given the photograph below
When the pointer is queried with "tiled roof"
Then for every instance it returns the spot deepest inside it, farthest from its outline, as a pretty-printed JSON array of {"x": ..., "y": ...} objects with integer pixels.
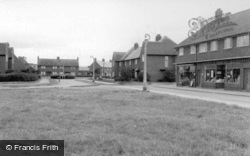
[
  {"x": 134, "y": 54},
  {"x": 84, "y": 68},
  {"x": 58, "y": 62},
  {"x": 242, "y": 19},
  {"x": 105, "y": 64},
  {"x": 127, "y": 54},
  {"x": 118, "y": 55},
  {"x": 163, "y": 47}
]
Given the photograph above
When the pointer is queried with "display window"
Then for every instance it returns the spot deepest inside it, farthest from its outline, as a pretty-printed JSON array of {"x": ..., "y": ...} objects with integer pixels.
[{"x": 233, "y": 75}]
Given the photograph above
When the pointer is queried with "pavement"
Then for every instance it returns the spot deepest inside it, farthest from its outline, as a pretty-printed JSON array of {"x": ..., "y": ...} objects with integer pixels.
[{"x": 239, "y": 98}]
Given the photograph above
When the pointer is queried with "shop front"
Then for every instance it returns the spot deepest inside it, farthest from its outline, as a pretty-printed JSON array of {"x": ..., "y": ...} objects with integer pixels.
[{"x": 186, "y": 75}]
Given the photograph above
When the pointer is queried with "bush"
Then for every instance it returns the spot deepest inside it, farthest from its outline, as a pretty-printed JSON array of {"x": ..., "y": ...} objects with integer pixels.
[
  {"x": 140, "y": 77},
  {"x": 70, "y": 77},
  {"x": 168, "y": 76},
  {"x": 18, "y": 77},
  {"x": 126, "y": 75},
  {"x": 55, "y": 76}
]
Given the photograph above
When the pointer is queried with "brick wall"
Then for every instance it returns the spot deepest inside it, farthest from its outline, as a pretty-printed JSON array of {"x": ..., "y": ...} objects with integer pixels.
[{"x": 3, "y": 64}]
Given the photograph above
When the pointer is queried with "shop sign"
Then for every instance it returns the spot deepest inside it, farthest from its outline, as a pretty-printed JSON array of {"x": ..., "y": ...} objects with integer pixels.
[{"x": 210, "y": 28}]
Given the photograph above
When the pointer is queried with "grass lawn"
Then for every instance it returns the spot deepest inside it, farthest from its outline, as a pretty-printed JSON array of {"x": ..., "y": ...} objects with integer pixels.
[{"x": 108, "y": 121}]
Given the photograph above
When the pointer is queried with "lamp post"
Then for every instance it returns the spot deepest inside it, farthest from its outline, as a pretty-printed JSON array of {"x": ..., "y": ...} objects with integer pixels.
[
  {"x": 94, "y": 59},
  {"x": 103, "y": 61},
  {"x": 147, "y": 38}
]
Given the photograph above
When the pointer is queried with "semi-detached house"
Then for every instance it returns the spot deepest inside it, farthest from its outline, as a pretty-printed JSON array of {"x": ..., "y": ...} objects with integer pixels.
[{"x": 160, "y": 56}]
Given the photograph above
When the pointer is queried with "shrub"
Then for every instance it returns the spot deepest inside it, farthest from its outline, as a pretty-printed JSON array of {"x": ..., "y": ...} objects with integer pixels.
[
  {"x": 140, "y": 77},
  {"x": 126, "y": 74},
  {"x": 18, "y": 77},
  {"x": 69, "y": 76},
  {"x": 168, "y": 76},
  {"x": 55, "y": 76}
]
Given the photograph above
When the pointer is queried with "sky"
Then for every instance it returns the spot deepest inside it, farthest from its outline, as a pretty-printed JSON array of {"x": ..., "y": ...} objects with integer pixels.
[{"x": 84, "y": 28}]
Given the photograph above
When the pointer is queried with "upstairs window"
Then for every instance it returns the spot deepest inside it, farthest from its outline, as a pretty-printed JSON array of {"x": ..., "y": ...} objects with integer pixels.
[
  {"x": 129, "y": 62},
  {"x": 54, "y": 67},
  {"x": 73, "y": 67},
  {"x": 43, "y": 67},
  {"x": 181, "y": 51},
  {"x": 120, "y": 63},
  {"x": 203, "y": 47},
  {"x": 214, "y": 46},
  {"x": 142, "y": 58},
  {"x": 192, "y": 49},
  {"x": 166, "y": 61},
  {"x": 243, "y": 41},
  {"x": 61, "y": 67},
  {"x": 228, "y": 43},
  {"x": 136, "y": 61}
]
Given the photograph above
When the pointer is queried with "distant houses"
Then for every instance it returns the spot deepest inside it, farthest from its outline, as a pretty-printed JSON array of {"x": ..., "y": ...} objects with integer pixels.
[
  {"x": 48, "y": 67},
  {"x": 102, "y": 68},
  {"x": 161, "y": 55}
]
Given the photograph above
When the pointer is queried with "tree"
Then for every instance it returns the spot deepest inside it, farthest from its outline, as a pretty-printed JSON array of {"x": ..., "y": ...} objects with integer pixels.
[
  {"x": 125, "y": 74},
  {"x": 168, "y": 75}
]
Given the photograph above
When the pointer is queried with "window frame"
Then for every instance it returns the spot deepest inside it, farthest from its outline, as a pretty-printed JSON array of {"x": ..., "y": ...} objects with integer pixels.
[
  {"x": 181, "y": 51},
  {"x": 205, "y": 48},
  {"x": 230, "y": 43},
  {"x": 240, "y": 44},
  {"x": 211, "y": 46}
]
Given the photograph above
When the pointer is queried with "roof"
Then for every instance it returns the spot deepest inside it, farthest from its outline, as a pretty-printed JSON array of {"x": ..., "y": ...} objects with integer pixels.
[
  {"x": 117, "y": 55},
  {"x": 242, "y": 20},
  {"x": 58, "y": 62},
  {"x": 134, "y": 54},
  {"x": 127, "y": 54},
  {"x": 163, "y": 47},
  {"x": 84, "y": 68},
  {"x": 105, "y": 64}
]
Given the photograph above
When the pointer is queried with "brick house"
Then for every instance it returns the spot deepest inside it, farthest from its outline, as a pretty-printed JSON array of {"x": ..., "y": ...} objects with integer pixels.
[
  {"x": 9, "y": 61},
  {"x": 160, "y": 56},
  {"x": 84, "y": 71},
  {"x": 104, "y": 68},
  {"x": 115, "y": 63},
  {"x": 57, "y": 66},
  {"x": 218, "y": 55}
]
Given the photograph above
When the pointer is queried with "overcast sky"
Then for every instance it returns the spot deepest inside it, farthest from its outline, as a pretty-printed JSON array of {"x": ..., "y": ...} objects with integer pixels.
[{"x": 81, "y": 28}]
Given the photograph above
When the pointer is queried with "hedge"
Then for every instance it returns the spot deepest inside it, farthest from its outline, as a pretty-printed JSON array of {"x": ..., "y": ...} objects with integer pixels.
[
  {"x": 18, "y": 77},
  {"x": 58, "y": 76}
]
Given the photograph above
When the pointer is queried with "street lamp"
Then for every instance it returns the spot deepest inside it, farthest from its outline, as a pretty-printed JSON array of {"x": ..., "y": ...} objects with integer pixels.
[
  {"x": 94, "y": 59},
  {"x": 147, "y": 38},
  {"x": 103, "y": 60}
]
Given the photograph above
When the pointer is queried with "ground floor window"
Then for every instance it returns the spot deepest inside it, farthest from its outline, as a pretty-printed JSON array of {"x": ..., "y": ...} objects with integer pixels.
[
  {"x": 210, "y": 75},
  {"x": 233, "y": 75},
  {"x": 43, "y": 73},
  {"x": 54, "y": 73},
  {"x": 187, "y": 75}
]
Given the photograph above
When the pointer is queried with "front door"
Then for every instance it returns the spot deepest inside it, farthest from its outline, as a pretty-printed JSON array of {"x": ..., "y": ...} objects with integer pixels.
[
  {"x": 198, "y": 78},
  {"x": 247, "y": 80}
]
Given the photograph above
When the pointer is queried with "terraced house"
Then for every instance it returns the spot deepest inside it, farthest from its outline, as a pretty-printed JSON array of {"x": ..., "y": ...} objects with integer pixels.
[
  {"x": 102, "y": 68},
  {"x": 57, "y": 66},
  {"x": 160, "y": 56},
  {"x": 218, "y": 55}
]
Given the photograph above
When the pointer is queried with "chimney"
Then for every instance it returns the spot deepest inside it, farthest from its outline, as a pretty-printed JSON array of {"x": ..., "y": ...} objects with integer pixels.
[
  {"x": 218, "y": 14},
  {"x": 136, "y": 45},
  {"x": 110, "y": 60},
  {"x": 158, "y": 37},
  {"x": 58, "y": 58},
  {"x": 77, "y": 58}
]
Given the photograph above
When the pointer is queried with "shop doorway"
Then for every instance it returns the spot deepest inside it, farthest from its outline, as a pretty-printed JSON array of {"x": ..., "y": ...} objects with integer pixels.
[
  {"x": 198, "y": 82},
  {"x": 247, "y": 79}
]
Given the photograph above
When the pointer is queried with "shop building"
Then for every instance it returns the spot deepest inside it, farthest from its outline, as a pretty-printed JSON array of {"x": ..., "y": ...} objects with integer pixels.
[{"x": 218, "y": 55}]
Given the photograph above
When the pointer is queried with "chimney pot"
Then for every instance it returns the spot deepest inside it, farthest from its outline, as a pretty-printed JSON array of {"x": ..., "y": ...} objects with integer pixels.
[
  {"x": 218, "y": 13},
  {"x": 136, "y": 45},
  {"x": 158, "y": 37},
  {"x": 58, "y": 58}
]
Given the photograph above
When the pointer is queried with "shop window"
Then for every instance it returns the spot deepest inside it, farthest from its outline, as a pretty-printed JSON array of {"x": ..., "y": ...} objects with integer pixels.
[
  {"x": 187, "y": 75},
  {"x": 228, "y": 43},
  {"x": 214, "y": 46},
  {"x": 233, "y": 75},
  {"x": 220, "y": 74},
  {"x": 210, "y": 75},
  {"x": 242, "y": 41},
  {"x": 203, "y": 47},
  {"x": 192, "y": 49},
  {"x": 181, "y": 51}
]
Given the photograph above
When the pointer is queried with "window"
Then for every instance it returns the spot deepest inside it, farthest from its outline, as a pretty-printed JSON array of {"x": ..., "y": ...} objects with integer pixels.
[
  {"x": 54, "y": 73},
  {"x": 54, "y": 67},
  {"x": 61, "y": 67},
  {"x": 233, "y": 75},
  {"x": 242, "y": 41},
  {"x": 42, "y": 67},
  {"x": 43, "y": 73},
  {"x": 73, "y": 73},
  {"x": 125, "y": 63},
  {"x": 203, "y": 47},
  {"x": 166, "y": 61},
  {"x": 120, "y": 63},
  {"x": 73, "y": 67},
  {"x": 210, "y": 75},
  {"x": 181, "y": 51},
  {"x": 142, "y": 58},
  {"x": 228, "y": 43},
  {"x": 129, "y": 62},
  {"x": 136, "y": 61},
  {"x": 193, "y": 50},
  {"x": 61, "y": 73},
  {"x": 214, "y": 46}
]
